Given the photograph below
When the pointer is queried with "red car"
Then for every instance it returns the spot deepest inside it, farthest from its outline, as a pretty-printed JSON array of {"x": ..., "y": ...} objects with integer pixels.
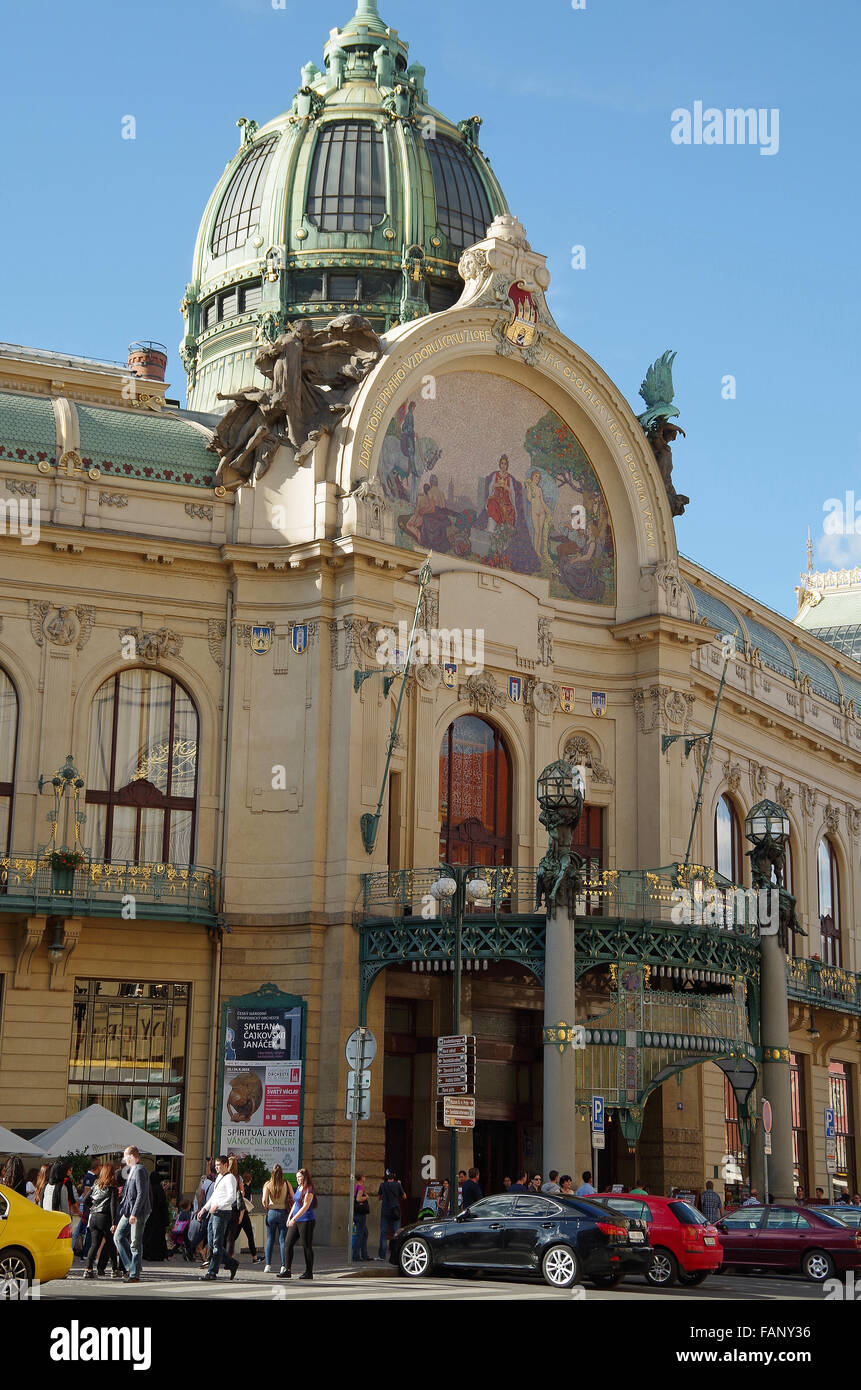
[
  {"x": 800, "y": 1239},
  {"x": 687, "y": 1248}
]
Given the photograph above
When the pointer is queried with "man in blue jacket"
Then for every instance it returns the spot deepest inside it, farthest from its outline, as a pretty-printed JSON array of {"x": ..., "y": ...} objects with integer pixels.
[{"x": 134, "y": 1209}]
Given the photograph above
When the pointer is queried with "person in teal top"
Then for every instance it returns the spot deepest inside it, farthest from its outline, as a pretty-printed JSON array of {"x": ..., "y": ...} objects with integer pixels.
[{"x": 300, "y": 1223}]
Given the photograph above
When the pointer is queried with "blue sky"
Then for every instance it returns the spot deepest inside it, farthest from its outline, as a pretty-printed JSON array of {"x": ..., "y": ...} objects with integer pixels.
[{"x": 746, "y": 264}]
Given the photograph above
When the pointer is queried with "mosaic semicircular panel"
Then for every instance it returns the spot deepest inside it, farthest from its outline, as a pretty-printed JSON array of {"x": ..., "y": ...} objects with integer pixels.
[{"x": 486, "y": 472}]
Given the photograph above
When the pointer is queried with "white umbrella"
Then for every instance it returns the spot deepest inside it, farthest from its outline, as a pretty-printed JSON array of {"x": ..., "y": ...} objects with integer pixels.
[
  {"x": 11, "y": 1143},
  {"x": 99, "y": 1131}
]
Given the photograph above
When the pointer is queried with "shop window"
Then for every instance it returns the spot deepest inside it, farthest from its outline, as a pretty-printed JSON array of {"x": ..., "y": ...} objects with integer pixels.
[
  {"x": 829, "y": 903},
  {"x": 128, "y": 1053},
  {"x": 474, "y": 794},
  {"x": 8, "y": 748},
  {"x": 142, "y": 770}
]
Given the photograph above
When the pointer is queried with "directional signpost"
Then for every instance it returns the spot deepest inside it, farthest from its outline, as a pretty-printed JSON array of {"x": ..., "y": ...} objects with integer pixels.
[
  {"x": 598, "y": 1137},
  {"x": 360, "y": 1051},
  {"x": 455, "y": 1082}
]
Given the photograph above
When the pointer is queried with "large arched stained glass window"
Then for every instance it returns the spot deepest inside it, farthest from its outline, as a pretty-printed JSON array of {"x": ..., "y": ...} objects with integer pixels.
[
  {"x": 829, "y": 903},
  {"x": 474, "y": 794},
  {"x": 727, "y": 841},
  {"x": 347, "y": 186},
  {"x": 462, "y": 205},
  {"x": 8, "y": 745},
  {"x": 142, "y": 770},
  {"x": 241, "y": 204}
]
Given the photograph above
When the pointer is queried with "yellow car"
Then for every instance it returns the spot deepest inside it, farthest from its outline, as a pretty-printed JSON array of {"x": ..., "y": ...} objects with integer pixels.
[{"x": 34, "y": 1244}]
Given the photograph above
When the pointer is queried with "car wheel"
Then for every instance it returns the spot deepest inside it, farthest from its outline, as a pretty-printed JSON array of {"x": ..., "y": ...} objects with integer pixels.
[
  {"x": 16, "y": 1272},
  {"x": 695, "y": 1276},
  {"x": 415, "y": 1258},
  {"x": 560, "y": 1267},
  {"x": 664, "y": 1270},
  {"x": 817, "y": 1266},
  {"x": 608, "y": 1281}
]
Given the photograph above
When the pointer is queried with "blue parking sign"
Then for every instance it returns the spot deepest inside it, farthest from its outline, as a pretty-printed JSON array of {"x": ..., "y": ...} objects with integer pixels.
[
  {"x": 830, "y": 1132},
  {"x": 598, "y": 1114}
]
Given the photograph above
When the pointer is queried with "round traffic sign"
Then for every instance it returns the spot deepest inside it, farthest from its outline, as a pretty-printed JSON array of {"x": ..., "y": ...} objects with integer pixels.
[
  {"x": 369, "y": 1048},
  {"x": 766, "y": 1116}
]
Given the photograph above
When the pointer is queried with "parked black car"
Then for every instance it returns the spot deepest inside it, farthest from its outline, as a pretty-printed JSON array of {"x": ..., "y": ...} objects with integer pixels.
[{"x": 561, "y": 1239}]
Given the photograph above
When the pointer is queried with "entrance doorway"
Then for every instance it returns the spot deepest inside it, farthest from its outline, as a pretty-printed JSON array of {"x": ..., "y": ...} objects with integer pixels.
[{"x": 495, "y": 1153}]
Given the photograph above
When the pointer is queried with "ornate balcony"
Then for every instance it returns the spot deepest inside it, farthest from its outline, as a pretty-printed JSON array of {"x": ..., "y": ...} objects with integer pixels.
[
  {"x": 28, "y": 884},
  {"x": 823, "y": 986}
]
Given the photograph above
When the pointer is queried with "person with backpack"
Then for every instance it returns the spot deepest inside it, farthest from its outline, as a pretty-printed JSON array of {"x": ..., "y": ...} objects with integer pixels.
[
  {"x": 361, "y": 1212},
  {"x": 102, "y": 1203},
  {"x": 300, "y": 1223},
  {"x": 391, "y": 1194}
]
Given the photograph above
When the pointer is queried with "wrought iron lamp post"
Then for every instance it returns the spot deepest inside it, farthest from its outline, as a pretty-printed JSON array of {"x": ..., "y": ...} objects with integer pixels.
[
  {"x": 766, "y": 826},
  {"x": 456, "y": 888},
  {"x": 560, "y": 793}
]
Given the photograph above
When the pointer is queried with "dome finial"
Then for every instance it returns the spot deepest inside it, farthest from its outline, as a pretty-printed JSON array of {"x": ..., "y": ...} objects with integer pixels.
[{"x": 366, "y": 9}]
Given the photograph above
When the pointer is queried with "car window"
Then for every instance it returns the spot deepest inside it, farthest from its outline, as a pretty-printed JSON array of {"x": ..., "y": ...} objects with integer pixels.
[
  {"x": 535, "y": 1206},
  {"x": 748, "y": 1218},
  {"x": 782, "y": 1219},
  {"x": 829, "y": 1220},
  {"x": 629, "y": 1206},
  {"x": 492, "y": 1207},
  {"x": 4, "y": 1207},
  {"x": 687, "y": 1215}
]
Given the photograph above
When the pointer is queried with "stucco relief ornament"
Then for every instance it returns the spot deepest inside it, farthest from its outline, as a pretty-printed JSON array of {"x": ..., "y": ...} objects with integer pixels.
[
  {"x": 783, "y": 795},
  {"x": 832, "y": 818},
  {"x": 67, "y": 625},
  {"x": 758, "y": 779},
  {"x": 216, "y": 630},
  {"x": 540, "y": 695},
  {"x": 482, "y": 693},
  {"x": 732, "y": 774},
  {"x": 808, "y": 799},
  {"x": 656, "y": 420},
  {"x": 579, "y": 751},
  {"x": 675, "y": 707},
  {"x": 545, "y": 641},
  {"x": 313, "y": 372},
  {"x": 853, "y": 820},
  {"x": 428, "y": 676},
  {"x": 152, "y": 646}
]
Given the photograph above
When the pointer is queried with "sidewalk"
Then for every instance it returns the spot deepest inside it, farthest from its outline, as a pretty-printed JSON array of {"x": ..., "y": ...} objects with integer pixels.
[{"x": 328, "y": 1259}]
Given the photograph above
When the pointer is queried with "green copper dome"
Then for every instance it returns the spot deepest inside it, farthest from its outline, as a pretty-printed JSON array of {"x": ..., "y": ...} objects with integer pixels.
[{"x": 360, "y": 198}]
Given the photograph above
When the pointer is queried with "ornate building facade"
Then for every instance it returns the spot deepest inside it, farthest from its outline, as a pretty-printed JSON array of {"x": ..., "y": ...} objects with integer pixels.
[{"x": 196, "y": 655}]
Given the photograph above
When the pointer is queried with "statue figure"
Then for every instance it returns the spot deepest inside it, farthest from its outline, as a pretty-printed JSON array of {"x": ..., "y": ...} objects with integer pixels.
[
  {"x": 657, "y": 392},
  {"x": 313, "y": 371}
]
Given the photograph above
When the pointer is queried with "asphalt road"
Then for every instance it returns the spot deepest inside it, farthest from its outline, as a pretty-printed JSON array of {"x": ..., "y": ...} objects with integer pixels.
[{"x": 182, "y": 1282}]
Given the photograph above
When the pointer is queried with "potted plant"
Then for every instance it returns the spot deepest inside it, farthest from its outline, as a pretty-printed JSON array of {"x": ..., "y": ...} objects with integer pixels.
[{"x": 63, "y": 863}]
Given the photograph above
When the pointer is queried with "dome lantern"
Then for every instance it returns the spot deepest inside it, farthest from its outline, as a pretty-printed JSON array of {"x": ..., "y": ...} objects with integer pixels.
[{"x": 360, "y": 198}]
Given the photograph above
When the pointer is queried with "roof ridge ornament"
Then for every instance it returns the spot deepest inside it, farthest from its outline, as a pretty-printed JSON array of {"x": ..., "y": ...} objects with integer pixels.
[{"x": 504, "y": 272}]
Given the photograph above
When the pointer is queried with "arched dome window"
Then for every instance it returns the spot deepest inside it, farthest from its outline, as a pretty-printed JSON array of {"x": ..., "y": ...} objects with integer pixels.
[
  {"x": 474, "y": 794},
  {"x": 142, "y": 770},
  {"x": 8, "y": 745},
  {"x": 727, "y": 841},
  {"x": 243, "y": 200},
  {"x": 347, "y": 185},
  {"x": 462, "y": 206},
  {"x": 829, "y": 903}
]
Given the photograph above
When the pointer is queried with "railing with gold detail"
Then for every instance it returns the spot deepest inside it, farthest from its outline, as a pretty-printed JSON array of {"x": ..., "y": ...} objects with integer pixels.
[
  {"x": 102, "y": 889},
  {"x": 823, "y": 985}
]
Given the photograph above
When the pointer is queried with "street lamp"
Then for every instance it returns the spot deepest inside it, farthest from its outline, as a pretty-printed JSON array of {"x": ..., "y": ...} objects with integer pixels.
[{"x": 561, "y": 789}]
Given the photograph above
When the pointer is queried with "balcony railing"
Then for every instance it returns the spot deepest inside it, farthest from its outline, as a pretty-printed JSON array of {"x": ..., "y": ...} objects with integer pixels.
[
  {"x": 825, "y": 986},
  {"x": 98, "y": 889},
  {"x": 626, "y": 895}
]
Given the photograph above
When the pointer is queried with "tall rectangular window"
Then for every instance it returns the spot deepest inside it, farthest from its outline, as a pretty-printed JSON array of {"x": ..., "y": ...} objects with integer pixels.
[
  {"x": 840, "y": 1100},
  {"x": 588, "y": 842},
  {"x": 799, "y": 1122},
  {"x": 128, "y": 1053}
]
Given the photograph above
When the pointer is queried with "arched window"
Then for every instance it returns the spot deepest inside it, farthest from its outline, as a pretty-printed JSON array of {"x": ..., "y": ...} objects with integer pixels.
[
  {"x": 347, "y": 185},
  {"x": 728, "y": 841},
  {"x": 8, "y": 745},
  {"x": 241, "y": 204},
  {"x": 829, "y": 903},
  {"x": 142, "y": 770},
  {"x": 474, "y": 794}
]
